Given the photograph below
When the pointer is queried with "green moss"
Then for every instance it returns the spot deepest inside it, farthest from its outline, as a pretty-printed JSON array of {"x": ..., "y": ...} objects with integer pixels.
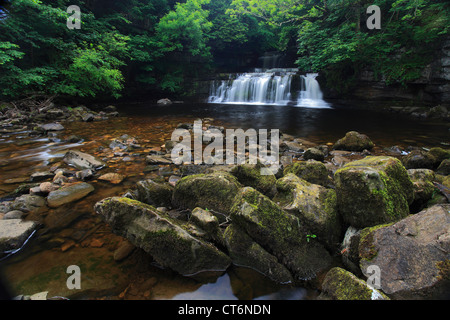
[{"x": 444, "y": 269}]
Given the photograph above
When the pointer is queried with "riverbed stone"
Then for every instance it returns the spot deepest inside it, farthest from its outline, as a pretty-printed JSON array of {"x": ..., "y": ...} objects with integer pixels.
[
  {"x": 69, "y": 194},
  {"x": 419, "y": 159},
  {"x": 424, "y": 188},
  {"x": 162, "y": 237},
  {"x": 373, "y": 190},
  {"x": 280, "y": 233},
  {"x": 81, "y": 160},
  {"x": 412, "y": 254},
  {"x": 444, "y": 168},
  {"x": 354, "y": 141},
  {"x": 214, "y": 191},
  {"x": 14, "y": 232},
  {"x": 154, "y": 193},
  {"x": 250, "y": 175},
  {"x": 314, "y": 154},
  {"x": 314, "y": 205},
  {"x": 112, "y": 177},
  {"x": 51, "y": 127},
  {"x": 29, "y": 203},
  {"x": 312, "y": 171}
]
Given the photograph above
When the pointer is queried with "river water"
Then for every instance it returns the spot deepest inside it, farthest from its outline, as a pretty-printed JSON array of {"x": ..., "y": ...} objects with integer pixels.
[{"x": 75, "y": 235}]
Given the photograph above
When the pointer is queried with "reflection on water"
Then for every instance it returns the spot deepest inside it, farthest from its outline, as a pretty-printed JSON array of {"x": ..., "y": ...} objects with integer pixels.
[{"x": 75, "y": 235}]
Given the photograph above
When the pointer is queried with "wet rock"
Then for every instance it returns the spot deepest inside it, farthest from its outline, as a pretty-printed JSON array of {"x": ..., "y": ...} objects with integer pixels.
[
  {"x": 74, "y": 139},
  {"x": 314, "y": 205},
  {"x": 314, "y": 154},
  {"x": 339, "y": 284},
  {"x": 244, "y": 251},
  {"x": 160, "y": 236},
  {"x": 173, "y": 180},
  {"x": 354, "y": 141},
  {"x": 373, "y": 190},
  {"x": 206, "y": 221},
  {"x": 82, "y": 160},
  {"x": 419, "y": 159},
  {"x": 124, "y": 250},
  {"x": 87, "y": 117},
  {"x": 69, "y": 194},
  {"x": 154, "y": 193},
  {"x": 250, "y": 175},
  {"x": 424, "y": 188},
  {"x": 280, "y": 233},
  {"x": 85, "y": 174},
  {"x": 312, "y": 171},
  {"x": 154, "y": 159},
  {"x": 51, "y": 127},
  {"x": 164, "y": 102},
  {"x": 444, "y": 168},
  {"x": 15, "y": 214},
  {"x": 214, "y": 191},
  {"x": 112, "y": 177},
  {"x": 14, "y": 232},
  {"x": 40, "y": 176},
  {"x": 412, "y": 254},
  {"x": 29, "y": 203},
  {"x": 439, "y": 154},
  {"x": 292, "y": 146}
]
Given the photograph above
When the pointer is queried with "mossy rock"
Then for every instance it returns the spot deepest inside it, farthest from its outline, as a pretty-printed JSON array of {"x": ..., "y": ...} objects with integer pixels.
[
  {"x": 280, "y": 233},
  {"x": 340, "y": 284},
  {"x": 244, "y": 251},
  {"x": 373, "y": 190},
  {"x": 424, "y": 189},
  {"x": 312, "y": 171},
  {"x": 314, "y": 205},
  {"x": 154, "y": 193},
  {"x": 354, "y": 141},
  {"x": 439, "y": 155},
  {"x": 164, "y": 238},
  {"x": 444, "y": 168},
  {"x": 214, "y": 191},
  {"x": 250, "y": 176},
  {"x": 419, "y": 159}
]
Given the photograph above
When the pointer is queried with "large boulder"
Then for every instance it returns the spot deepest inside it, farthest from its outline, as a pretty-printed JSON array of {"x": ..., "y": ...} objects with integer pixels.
[
  {"x": 314, "y": 205},
  {"x": 154, "y": 193},
  {"x": 68, "y": 194},
  {"x": 280, "y": 233},
  {"x": 419, "y": 159},
  {"x": 312, "y": 171},
  {"x": 164, "y": 238},
  {"x": 244, "y": 251},
  {"x": 250, "y": 176},
  {"x": 81, "y": 160},
  {"x": 214, "y": 191},
  {"x": 340, "y": 284},
  {"x": 424, "y": 188},
  {"x": 412, "y": 254},
  {"x": 14, "y": 232},
  {"x": 354, "y": 141},
  {"x": 373, "y": 190}
]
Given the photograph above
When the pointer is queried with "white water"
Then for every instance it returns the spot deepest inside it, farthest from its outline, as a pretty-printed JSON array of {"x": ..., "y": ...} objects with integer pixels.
[{"x": 272, "y": 87}]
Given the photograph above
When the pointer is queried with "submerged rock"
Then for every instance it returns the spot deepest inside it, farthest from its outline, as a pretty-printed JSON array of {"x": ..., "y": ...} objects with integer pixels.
[
  {"x": 373, "y": 190},
  {"x": 412, "y": 254},
  {"x": 82, "y": 160},
  {"x": 280, "y": 233},
  {"x": 354, "y": 141},
  {"x": 68, "y": 194},
  {"x": 214, "y": 191},
  {"x": 160, "y": 236}
]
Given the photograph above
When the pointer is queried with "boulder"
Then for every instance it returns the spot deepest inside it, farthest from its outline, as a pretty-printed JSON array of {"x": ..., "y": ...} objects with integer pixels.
[
  {"x": 28, "y": 203},
  {"x": 340, "y": 284},
  {"x": 412, "y": 254},
  {"x": 214, "y": 191},
  {"x": 419, "y": 159},
  {"x": 439, "y": 155},
  {"x": 314, "y": 154},
  {"x": 154, "y": 193},
  {"x": 250, "y": 175},
  {"x": 444, "y": 168},
  {"x": 68, "y": 194},
  {"x": 160, "y": 236},
  {"x": 424, "y": 188},
  {"x": 354, "y": 141},
  {"x": 244, "y": 251},
  {"x": 312, "y": 171},
  {"x": 206, "y": 221},
  {"x": 373, "y": 190},
  {"x": 82, "y": 160},
  {"x": 314, "y": 205},
  {"x": 280, "y": 233},
  {"x": 14, "y": 232}
]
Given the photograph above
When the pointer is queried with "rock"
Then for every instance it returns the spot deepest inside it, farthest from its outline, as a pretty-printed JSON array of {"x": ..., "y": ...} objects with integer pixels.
[
  {"x": 354, "y": 141},
  {"x": 419, "y": 159},
  {"x": 444, "y": 168},
  {"x": 47, "y": 187},
  {"x": 82, "y": 160},
  {"x": 250, "y": 176},
  {"x": 164, "y": 102},
  {"x": 40, "y": 176},
  {"x": 424, "y": 188},
  {"x": 170, "y": 145},
  {"x": 373, "y": 190},
  {"x": 74, "y": 139},
  {"x": 173, "y": 180},
  {"x": 14, "y": 232},
  {"x": 124, "y": 250},
  {"x": 412, "y": 254},
  {"x": 312, "y": 171},
  {"x": 160, "y": 236},
  {"x": 112, "y": 177},
  {"x": 292, "y": 146},
  {"x": 280, "y": 233},
  {"x": 29, "y": 203},
  {"x": 314, "y": 154},
  {"x": 439, "y": 155},
  {"x": 247, "y": 253},
  {"x": 87, "y": 117},
  {"x": 69, "y": 194},
  {"x": 51, "y": 127},
  {"x": 85, "y": 174},
  {"x": 39, "y": 296},
  {"x": 206, "y": 221},
  {"x": 314, "y": 205},
  {"x": 339, "y": 284},
  {"x": 157, "y": 159},
  {"x": 154, "y": 194},
  {"x": 15, "y": 214},
  {"x": 110, "y": 108},
  {"x": 214, "y": 191}
]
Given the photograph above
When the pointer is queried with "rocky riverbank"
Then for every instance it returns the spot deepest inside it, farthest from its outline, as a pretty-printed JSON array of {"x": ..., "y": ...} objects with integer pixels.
[{"x": 330, "y": 212}]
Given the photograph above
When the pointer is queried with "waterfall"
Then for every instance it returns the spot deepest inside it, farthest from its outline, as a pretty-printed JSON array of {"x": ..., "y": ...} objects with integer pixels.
[
  {"x": 271, "y": 87},
  {"x": 311, "y": 96}
]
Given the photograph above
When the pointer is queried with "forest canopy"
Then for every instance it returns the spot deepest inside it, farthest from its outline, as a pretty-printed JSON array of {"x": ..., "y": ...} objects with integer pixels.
[{"x": 134, "y": 46}]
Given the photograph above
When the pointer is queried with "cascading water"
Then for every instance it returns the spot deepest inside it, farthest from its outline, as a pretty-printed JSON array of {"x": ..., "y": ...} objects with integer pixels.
[{"x": 272, "y": 87}]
